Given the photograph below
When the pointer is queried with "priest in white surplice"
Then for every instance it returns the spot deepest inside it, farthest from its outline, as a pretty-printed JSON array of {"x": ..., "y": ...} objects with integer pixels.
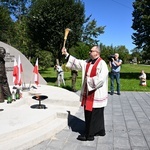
[{"x": 94, "y": 92}]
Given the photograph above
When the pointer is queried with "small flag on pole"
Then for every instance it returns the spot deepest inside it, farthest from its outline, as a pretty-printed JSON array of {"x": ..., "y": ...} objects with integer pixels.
[
  {"x": 36, "y": 73},
  {"x": 20, "y": 70},
  {"x": 15, "y": 72}
]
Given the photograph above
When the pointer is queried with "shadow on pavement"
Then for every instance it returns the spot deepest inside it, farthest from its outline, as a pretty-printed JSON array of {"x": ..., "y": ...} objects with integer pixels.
[{"x": 76, "y": 124}]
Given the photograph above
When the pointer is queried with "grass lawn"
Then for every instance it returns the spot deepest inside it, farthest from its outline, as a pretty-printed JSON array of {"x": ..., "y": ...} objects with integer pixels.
[{"x": 129, "y": 78}]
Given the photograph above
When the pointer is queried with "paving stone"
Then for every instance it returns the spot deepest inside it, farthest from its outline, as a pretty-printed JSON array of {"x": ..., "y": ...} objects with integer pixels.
[
  {"x": 145, "y": 125},
  {"x": 135, "y": 132},
  {"x": 122, "y": 143},
  {"x": 122, "y": 149},
  {"x": 107, "y": 139},
  {"x": 63, "y": 135},
  {"x": 70, "y": 146},
  {"x": 41, "y": 146},
  {"x": 142, "y": 120},
  {"x": 121, "y": 133},
  {"x": 84, "y": 147},
  {"x": 120, "y": 127},
  {"x": 140, "y": 114},
  {"x": 91, "y": 143},
  {"x": 140, "y": 148},
  {"x": 132, "y": 124},
  {"x": 104, "y": 147},
  {"x": 58, "y": 144},
  {"x": 138, "y": 141},
  {"x": 109, "y": 128}
]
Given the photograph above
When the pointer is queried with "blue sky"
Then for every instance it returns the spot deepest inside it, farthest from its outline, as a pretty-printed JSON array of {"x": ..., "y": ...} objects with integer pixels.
[{"x": 116, "y": 15}]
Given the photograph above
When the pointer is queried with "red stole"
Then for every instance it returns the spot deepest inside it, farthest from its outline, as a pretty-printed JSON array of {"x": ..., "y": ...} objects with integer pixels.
[{"x": 88, "y": 99}]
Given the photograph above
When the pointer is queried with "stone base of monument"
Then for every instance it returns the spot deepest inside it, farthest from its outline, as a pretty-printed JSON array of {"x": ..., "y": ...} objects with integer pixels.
[{"x": 23, "y": 127}]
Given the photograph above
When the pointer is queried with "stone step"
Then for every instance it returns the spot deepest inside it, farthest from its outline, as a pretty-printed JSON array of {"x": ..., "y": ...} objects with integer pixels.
[
  {"x": 25, "y": 129},
  {"x": 62, "y": 103},
  {"x": 34, "y": 135}
]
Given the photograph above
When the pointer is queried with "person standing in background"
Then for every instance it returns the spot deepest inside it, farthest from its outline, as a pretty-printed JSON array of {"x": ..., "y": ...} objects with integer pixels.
[
  {"x": 60, "y": 75},
  {"x": 115, "y": 66},
  {"x": 74, "y": 74}
]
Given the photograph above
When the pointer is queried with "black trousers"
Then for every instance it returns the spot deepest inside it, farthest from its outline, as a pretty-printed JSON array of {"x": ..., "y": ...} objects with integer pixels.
[{"x": 94, "y": 121}]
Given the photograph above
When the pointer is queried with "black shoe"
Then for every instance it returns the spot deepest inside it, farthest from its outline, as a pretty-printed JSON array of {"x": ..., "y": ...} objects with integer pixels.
[
  {"x": 81, "y": 138},
  {"x": 101, "y": 133},
  {"x": 111, "y": 93},
  {"x": 90, "y": 138},
  {"x": 118, "y": 93}
]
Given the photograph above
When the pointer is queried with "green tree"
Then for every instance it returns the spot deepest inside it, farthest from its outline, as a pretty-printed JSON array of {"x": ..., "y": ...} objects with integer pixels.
[
  {"x": 17, "y": 8},
  {"x": 88, "y": 39},
  {"x": 106, "y": 51},
  {"x": 141, "y": 25},
  {"x": 91, "y": 32},
  {"x": 43, "y": 63},
  {"x": 21, "y": 40},
  {"x": 48, "y": 19},
  {"x": 123, "y": 53},
  {"x": 81, "y": 51},
  {"x": 6, "y": 25},
  {"x": 137, "y": 53}
]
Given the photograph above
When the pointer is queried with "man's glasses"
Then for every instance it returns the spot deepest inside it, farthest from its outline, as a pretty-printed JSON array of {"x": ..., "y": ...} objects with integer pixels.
[{"x": 92, "y": 51}]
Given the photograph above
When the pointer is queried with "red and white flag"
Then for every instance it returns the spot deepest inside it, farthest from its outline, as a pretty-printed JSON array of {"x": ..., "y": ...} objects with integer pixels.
[
  {"x": 20, "y": 70},
  {"x": 15, "y": 72},
  {"x": 36, "y": 73}
]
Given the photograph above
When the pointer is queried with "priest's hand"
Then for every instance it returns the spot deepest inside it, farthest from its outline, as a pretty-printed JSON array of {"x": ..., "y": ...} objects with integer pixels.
[{"x": 64, "y": 51}]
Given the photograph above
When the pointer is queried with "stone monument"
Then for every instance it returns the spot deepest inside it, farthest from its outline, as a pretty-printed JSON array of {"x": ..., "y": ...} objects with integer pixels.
[{"x": 27, "y": 74}]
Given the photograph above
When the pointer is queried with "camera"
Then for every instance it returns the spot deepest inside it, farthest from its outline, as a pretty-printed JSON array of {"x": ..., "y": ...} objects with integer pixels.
[{"x": 110, "y": 57}]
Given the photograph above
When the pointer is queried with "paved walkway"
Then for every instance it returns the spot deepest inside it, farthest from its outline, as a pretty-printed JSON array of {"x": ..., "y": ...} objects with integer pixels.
[{"x": 127, "y": 120}]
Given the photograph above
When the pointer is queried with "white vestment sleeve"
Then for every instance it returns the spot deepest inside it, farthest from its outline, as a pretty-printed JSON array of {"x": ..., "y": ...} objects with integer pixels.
[
  {"x": 74, "y": 64},
  {"x": 77, "y": 64}
]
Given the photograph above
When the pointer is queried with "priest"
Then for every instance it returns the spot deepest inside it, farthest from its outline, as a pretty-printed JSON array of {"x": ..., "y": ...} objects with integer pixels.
[{"x": 94, "y": 92}]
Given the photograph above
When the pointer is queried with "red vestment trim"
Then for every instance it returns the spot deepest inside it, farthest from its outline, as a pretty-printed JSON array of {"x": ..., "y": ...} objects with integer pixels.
[{"x": 88, "y": 99}]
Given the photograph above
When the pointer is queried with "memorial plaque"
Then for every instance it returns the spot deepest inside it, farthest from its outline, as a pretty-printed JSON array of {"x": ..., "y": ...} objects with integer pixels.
[{"x": 27, "y": 75}]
